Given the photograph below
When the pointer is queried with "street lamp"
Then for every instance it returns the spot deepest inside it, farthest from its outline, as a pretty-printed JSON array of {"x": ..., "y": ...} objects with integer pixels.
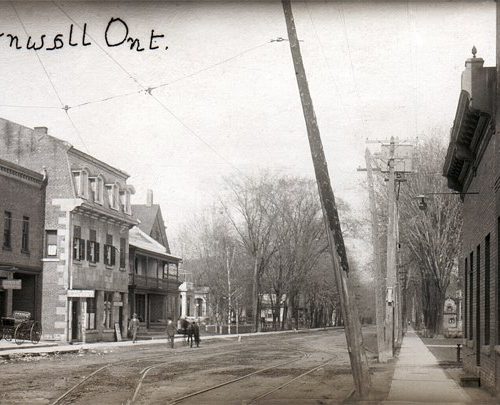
[{"x": 422, "y": 204}]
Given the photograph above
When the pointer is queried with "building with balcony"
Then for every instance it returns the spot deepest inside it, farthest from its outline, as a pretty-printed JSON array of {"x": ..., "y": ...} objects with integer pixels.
[
  {"x": 22, "y": 209},
  {"x": 153, "y": 270},
  {"x": 87, "y": 218}
]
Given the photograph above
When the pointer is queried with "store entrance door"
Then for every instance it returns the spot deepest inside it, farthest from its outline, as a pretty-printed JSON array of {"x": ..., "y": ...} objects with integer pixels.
[{"x": 75, "y": 325}]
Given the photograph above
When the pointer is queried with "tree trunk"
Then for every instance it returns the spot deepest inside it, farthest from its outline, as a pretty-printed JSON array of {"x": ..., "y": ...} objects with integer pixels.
[{"x": 255, "y": 295}]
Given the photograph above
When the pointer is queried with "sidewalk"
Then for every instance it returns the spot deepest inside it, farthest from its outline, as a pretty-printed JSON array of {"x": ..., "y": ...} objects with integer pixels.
[{"x": 418, "y": 377}]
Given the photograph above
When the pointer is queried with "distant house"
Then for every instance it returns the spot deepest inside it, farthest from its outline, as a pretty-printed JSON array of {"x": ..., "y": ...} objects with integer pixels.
[
  {"x": 153, "y": 270},
  {"x": 22, "y": 210},
  {"x": 452, "y": 325}
]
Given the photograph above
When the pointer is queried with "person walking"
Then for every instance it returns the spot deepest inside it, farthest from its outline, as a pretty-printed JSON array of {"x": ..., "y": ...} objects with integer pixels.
[
  {"x": 171, "y": 330},
  {"x": 133, "y": 327},
  {"x": 190, "y": 333},
  {"x": 196, "y": 334}
]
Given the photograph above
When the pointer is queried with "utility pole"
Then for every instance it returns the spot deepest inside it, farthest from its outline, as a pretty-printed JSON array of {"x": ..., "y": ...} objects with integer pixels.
[
  {"x": 391, "y": 255},
  {"x": 228, "y": 267},
  {"x": 359, "y": 363},
  {"x": 379, "y": 276}
]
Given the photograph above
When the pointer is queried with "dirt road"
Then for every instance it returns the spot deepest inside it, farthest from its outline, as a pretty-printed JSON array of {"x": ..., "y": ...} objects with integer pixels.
[{"x": 303, "y": 368}]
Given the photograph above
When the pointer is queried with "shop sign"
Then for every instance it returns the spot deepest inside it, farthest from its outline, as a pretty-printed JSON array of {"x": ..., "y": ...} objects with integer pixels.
[
  {"x": 12, "y": 284},
  {"x": 81, "y": 293}
]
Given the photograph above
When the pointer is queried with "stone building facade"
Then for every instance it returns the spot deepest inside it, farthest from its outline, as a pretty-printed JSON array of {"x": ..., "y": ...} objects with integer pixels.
[
  {"x": 87, "y": 219},
  {"x": 471, "y": 169},
  {"x": 22, "y": 209}
]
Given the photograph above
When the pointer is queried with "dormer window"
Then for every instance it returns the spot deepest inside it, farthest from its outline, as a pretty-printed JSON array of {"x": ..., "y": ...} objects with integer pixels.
[
  {"x": 113, "y": 196},
  {"x": 125, "y": 202},
  {"x": 96, "y": 185},
  {"x": 81, "y": 183}
]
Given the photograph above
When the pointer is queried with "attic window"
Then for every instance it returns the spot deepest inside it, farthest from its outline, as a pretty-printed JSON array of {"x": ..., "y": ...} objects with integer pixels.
[
  {"x": 125, "y": 202},
  {"x": 96, "y": 185},
  {"x": 113, "y": 196},
  {"x": 81, "y": 183}
]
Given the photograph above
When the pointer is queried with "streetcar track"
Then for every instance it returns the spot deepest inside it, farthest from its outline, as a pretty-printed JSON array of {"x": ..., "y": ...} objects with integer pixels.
[
  {"x": 144, "y": 372},
  {"x": 289, "y": 382},
  {"x": 234, "y": 380},
  {"x": 118, "y": 363}
]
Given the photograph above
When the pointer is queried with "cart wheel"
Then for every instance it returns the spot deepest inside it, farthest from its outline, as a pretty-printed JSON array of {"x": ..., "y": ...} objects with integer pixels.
[
  {"x": 7, "y": 334},
  {"x": 35, "y": 332},
  {"x": 19, "y": 333}
]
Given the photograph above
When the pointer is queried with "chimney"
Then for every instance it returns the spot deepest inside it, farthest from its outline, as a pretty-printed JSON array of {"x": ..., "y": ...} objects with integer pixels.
[
  {"x": 149, "y": 200},
  {"x": 40, "y": 131},
  {"x": 479, "y": 82}
]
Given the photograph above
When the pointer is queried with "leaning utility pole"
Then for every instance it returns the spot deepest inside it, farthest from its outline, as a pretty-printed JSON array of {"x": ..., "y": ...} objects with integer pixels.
[
  {"x": 359, "y": 363},
  {"x": 377, "y": 261},
  {"x": 391, "y": 255}
]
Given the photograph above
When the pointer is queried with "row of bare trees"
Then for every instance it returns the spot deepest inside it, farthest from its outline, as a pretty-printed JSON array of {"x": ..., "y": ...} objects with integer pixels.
[
  {"x": 429, "y": 238},
  {"x": 265, "y": 236}
]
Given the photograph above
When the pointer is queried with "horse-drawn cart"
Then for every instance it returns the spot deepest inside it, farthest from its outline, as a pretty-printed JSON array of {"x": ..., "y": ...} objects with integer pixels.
[{"x": 20, "y": 327}]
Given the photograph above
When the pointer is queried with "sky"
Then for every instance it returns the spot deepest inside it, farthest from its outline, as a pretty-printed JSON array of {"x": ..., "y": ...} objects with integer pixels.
[{"x": 229, "y": 103}]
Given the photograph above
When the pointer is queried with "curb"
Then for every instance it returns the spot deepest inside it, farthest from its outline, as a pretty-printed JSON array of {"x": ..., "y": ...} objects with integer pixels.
[{"x": 113, "y": 345}]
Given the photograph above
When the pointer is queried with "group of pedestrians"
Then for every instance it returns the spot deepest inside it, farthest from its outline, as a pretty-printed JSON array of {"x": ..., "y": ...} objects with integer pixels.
[{"x": 190, "y": 330}]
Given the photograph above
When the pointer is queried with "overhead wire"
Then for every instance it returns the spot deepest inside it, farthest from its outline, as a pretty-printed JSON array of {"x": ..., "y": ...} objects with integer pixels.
[
  {"x": 351, "y": 65},
  {"x": 63, "y": 106},
  {"x": 329, "y": 69},
  {"x": 149, "y": 91}
]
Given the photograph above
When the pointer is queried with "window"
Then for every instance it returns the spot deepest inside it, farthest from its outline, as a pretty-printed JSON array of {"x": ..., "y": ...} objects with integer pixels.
[
  {"x": 81, "y": 182},
  {"x": 96, "y": 185},
  {"x": 466, "y": 299},
  {"x": 51, "y": 243},
  {"x": 92, "y": 247},
  {"x": 113, "y": 196},
  {"x": 487, "y": 290},
  {"x": 109, "y": 251},
  {"x": 25, "y": 240},
  {"x": 125, "y": 202},
  {"x": 78, "y": 244},
  {"x": 471, "y": 295},
  {"x": 108, "y": 310},
  {"x": 7, "y": 229},
  {"x": 91, "y": 313},
  {"x": 122, "y": 252}
]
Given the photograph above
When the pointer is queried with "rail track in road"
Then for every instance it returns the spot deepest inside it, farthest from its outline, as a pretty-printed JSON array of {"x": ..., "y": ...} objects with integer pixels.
[
  {"x": 136, "y": 370},
  {"x": 200, "y": 392},
  {"x": 96, "y": 372}
]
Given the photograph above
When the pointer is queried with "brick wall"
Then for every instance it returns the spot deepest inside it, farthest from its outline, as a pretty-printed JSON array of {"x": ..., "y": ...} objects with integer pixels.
[{"x": 480, "y": 219}]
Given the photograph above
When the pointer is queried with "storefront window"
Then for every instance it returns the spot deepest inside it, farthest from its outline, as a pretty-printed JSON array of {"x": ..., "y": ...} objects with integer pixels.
[{"x": 91, "y": 313}]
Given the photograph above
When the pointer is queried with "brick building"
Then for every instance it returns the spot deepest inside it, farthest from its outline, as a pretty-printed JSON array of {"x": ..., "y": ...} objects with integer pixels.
[
  {"x": 471, "y": 169},
  {"x": 154, "y": 271},
  {"x": 87, "y": 219},
  {"x": 22, "y": 208}
]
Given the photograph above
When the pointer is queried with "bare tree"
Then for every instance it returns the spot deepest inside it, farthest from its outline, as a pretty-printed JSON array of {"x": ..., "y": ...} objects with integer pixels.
[
  {"x": 251, "y": 210},
  {"x": 432, "y": 236}
]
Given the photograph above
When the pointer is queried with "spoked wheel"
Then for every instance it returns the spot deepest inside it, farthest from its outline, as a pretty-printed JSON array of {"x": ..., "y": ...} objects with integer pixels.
[
  {"x": 19, "y": 333},
  {"x": 35, "y": 332},
  {"x": 7, "y": 334}
]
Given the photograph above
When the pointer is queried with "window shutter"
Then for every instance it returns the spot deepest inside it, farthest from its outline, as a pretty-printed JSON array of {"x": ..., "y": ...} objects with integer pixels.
[
  {"x": 82, "y": 249},
  {"x": 113, "y": 255},
  {"x": 97, "y": 250},
  {"x": 88, "y": 250}
]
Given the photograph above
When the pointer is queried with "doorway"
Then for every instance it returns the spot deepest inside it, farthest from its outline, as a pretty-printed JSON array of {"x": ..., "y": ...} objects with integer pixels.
[{"x": 74, "y": 320}]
